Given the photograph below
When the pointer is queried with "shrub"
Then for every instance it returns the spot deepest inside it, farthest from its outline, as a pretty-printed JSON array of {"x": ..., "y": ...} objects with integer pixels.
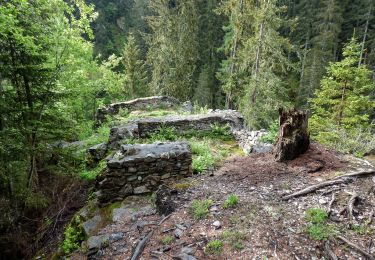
[
  {"x": 200, "y": 208},
  {"x": 231, "y": 201},
  {"x": 272, "y": 133},
  {"x": 202, "y": 156},
  {"x": 91, "y": 174},
  {"x": 73, "y": 236},
  {"x": 220, "y": 132},
  {"x": 316, "y": 215},
  {"x": 214, "y": 247}
]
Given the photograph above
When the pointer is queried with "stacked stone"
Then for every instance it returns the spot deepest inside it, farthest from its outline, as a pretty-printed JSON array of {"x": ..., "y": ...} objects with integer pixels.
[
  {"x": 145, "y": 127},
  {"x": 136, "y": 104},
  {"x": 141, "y": 168}
]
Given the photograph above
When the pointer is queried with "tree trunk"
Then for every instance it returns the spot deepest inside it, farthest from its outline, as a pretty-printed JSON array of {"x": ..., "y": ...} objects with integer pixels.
[{"x": 293, "y": 137}]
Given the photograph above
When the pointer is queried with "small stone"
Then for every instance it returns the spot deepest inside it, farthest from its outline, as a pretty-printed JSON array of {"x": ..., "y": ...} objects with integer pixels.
[
  {"x": 322, "y": 201},
  {"x": 214, "y": 209},
  {"x": 216, "y": 224},
  {"x": 139, "y": 178},
  {"x": 178, "y": 233},
  {"x": 141, "y": 190},
  {"x": 187, "y": 250},
  {"x": 91, "y": 225},
  {"x": 132, "y": 169}
]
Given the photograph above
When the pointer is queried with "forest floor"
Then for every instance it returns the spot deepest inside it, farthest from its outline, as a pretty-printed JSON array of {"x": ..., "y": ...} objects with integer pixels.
[{"x": 262, "y": 225}]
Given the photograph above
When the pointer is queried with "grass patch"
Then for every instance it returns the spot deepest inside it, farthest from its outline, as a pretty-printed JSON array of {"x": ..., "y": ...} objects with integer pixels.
[
  {"x": 234, "y": 238},
  {"x": 317, "y": 227},
  {"x": 214, "y": 247},
  {"x": 168, "y": 239},
  {"x": 362, "y": 229},
  {"x": 199, "y": 209},
  {"x": 231, "y": 202}
]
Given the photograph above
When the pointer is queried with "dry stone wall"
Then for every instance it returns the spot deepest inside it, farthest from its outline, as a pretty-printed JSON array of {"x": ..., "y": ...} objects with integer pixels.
[
  {"x": 154, "y": 102},
  {"x": 141, "y": 168},
  {"x": 145, "y": 127}
]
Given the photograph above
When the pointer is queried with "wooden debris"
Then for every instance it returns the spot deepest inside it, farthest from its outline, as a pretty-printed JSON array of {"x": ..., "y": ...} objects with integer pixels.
[
  {"x": 316, "y": 187},
  {"x": 141, "y": 246},
  {"x": 330, "y": 204},
  {"x": 351, "y": 202},
  {"x": 356, "y": 248},
  {"x": 358, "y": 174}
]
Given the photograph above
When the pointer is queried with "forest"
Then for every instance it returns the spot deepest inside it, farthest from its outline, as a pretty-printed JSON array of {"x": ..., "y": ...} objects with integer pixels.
[{"x": 60, "y": 60}]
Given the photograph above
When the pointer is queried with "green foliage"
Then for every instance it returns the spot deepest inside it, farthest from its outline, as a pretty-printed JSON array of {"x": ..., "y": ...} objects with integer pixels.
[
  {"x": 163, "y": 134},
  {"x": 91, "y": 174},
  {"x": 343, "y": 104},
  {"x": 214, "y": 247},
  {"x": 272, "y": 133},
  {"x": 200, "y": 208},
  {"x": 168, "y": 239},
  {"x": 231, "y": 202},
  {"x": 220, "y": 132},
  {"x": 135, "y": 84},
  {"x": 202, "y": 156},
  {"x": 317, "y": 227},
  {"x": 362, "y": 229},
  {"x": 73, "y": 236},
  {"x": 234, "y": 238},
  {"x": 36, "y": 201}
]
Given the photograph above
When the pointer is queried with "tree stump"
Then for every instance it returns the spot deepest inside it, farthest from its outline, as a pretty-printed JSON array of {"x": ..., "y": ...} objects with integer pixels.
[{"x": 293, "y": 139}]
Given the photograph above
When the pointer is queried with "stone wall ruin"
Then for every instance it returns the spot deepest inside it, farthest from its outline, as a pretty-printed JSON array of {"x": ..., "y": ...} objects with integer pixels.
[{"x": 141, "y": 168}]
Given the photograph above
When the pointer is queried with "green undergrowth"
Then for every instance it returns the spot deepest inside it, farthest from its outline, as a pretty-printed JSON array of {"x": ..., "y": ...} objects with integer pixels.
[
  {"x": 214, "y": 247},
  {"x": 234, "y": 238},
  {"x": 91, "y": 174},
  {"x": 199, "y": 209},
  {"x": 73, "y": 236},
  {"x": 317, "y": 226},
  {"x": 231, "y": 202}
]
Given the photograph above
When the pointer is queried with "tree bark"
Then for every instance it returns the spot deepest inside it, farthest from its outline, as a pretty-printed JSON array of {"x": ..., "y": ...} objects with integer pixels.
[{"x": 294, "y": 138}]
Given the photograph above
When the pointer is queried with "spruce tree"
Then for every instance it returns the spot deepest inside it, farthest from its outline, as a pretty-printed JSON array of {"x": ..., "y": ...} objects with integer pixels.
[
  {"x": 173, "y": 47},
  {"x": 135, "y": 83},
  {"x": 343, "y": 101}
]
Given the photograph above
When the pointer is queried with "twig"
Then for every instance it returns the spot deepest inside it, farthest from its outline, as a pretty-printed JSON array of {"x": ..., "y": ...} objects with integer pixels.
[
  {"x": 364, "y": 161},
  {"x": 330, "y": 204},
  {"x": 141, "y": 246},
  {"x": 356, "y": 247},
  {"x": 351, "y": 202},
  {"x": 164, "y": 219},
  {"x": 327, "y": 249},
  {"x": 316, "y": 187}
]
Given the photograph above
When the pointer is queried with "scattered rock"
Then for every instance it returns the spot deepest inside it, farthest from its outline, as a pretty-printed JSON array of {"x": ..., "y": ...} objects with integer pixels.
[
  {"x": 178, "y": 233},
  {"x": 216, "y": 224}
]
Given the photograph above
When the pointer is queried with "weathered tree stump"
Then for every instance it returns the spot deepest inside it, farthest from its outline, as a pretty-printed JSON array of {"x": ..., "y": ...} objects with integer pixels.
[{"x": 293, "y": 139}]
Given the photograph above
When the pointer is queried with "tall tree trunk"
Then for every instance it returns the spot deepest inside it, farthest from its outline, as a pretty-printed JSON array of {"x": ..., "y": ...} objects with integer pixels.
[
  {"x": 364, "y": 36},
  {"x": 257, "y": 62}
]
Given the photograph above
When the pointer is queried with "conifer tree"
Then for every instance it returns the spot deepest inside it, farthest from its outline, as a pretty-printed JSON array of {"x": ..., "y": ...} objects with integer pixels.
[
  {"x": 173, "y": 47},
  {"x": 344, "y": 100},
  {"x": 135, "y": 84}
]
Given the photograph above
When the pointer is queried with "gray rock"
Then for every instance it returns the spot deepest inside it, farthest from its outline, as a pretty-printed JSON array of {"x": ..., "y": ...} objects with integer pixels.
[
  {"x": 262, "y": 148},
  {"x": 178, "y": 233},
  {"x": 91, "y": 225},
  {"x": 141, "y": 190},
  {"x": 121, "y": 213},
  {"x": 97, "y": 242},
  {"x": 96, "y": 153},
  {"x": 184, "y": 257},
  {"x": 216, "y": 224},
  {"x": 187, "y": 250}
]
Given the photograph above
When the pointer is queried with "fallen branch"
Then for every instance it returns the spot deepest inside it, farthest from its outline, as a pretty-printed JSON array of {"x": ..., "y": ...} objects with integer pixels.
[
  {"x": 357, "y": 174},
  {"x": 141, "y": 246},
  {"x": 316, "y": 187},
  {"x": 357, "y": 248},
  {"x": 330, "y": 254},
  {"x": 346, "y": 178}
]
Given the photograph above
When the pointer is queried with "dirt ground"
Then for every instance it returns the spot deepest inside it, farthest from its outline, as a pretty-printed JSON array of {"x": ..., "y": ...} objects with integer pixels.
[{"x": 269, "y": 227}]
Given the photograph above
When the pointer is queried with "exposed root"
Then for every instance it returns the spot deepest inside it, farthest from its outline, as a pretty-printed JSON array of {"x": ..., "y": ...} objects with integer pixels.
[
  {"x": 358, "y": 174},
  {"x": 356, "y": 248},
  {"x": 330, "y": 204}
]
